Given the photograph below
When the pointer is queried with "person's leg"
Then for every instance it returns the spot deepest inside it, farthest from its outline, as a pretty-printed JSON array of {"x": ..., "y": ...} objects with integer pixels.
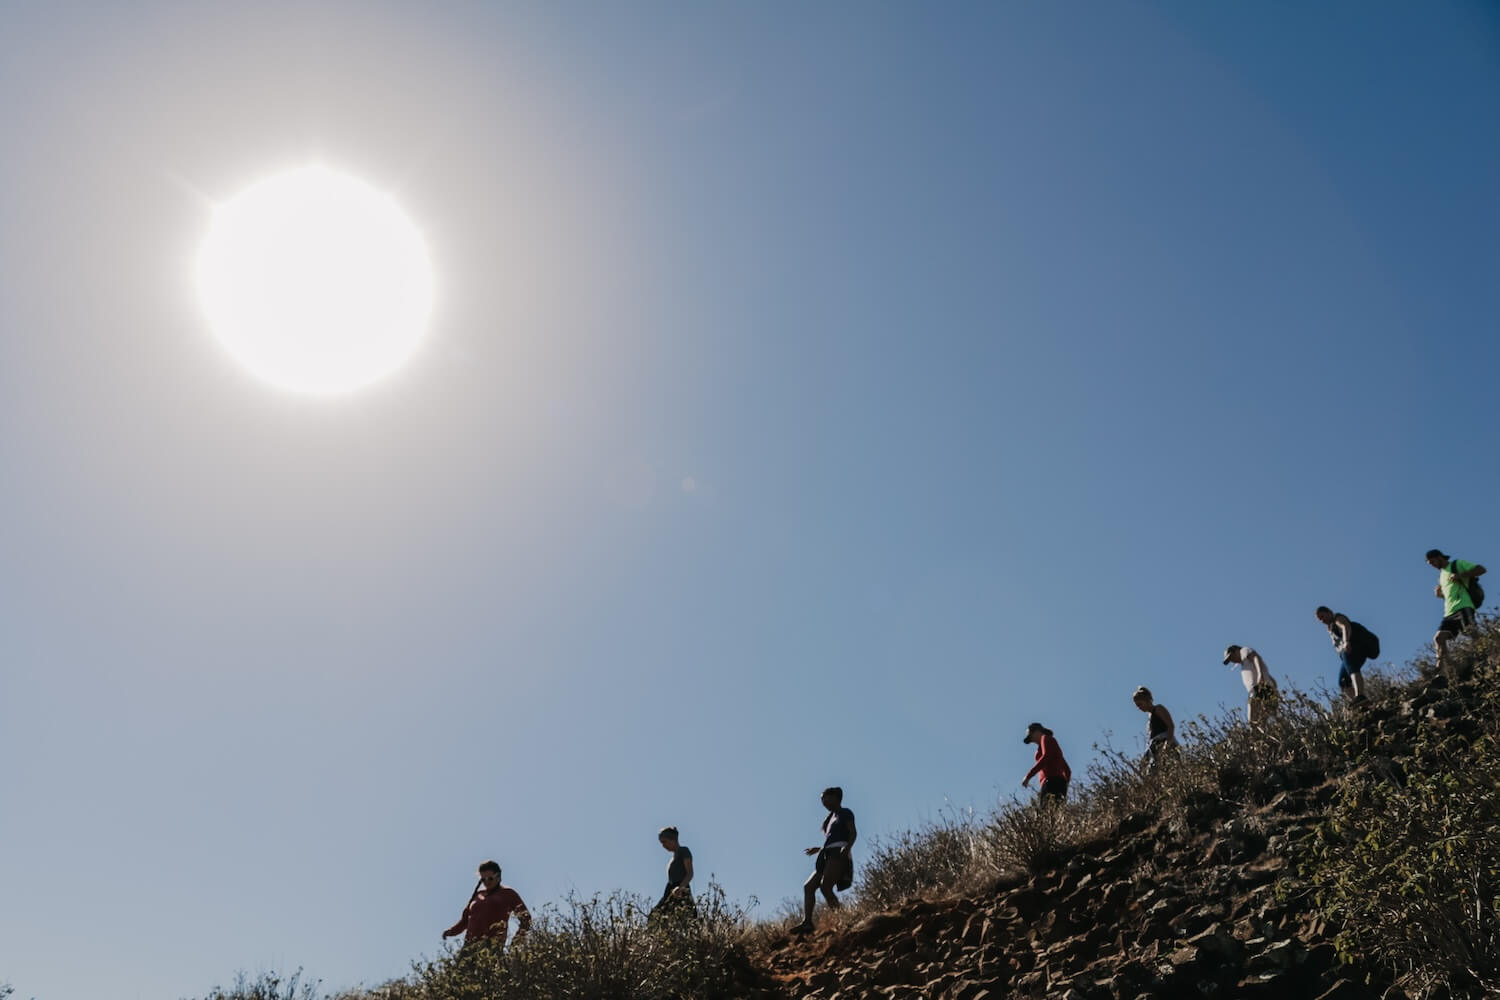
[
  {"x": 1349, "y": 680},
  {"x": 810, "y": 893},
  {"x": 1256, "y": 710},
  {"x": 831, "y": 881},
  {"x": 1441, "y": 640}
]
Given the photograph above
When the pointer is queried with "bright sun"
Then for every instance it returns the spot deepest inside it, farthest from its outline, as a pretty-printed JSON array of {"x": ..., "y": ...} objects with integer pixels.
[{"x": 315, "y": 281}]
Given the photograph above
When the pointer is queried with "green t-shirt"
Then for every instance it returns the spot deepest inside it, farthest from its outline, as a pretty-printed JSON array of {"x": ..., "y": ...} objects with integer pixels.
[{"x": 1455, "y": 594}]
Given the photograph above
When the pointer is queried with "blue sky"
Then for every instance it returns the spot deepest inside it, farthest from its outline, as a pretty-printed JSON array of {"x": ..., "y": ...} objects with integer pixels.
[{"x": 813, "y": 396}]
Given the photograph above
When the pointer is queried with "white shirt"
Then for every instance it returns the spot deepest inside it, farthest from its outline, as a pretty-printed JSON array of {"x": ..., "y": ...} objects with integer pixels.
[{"x": 1253, "y": 669}]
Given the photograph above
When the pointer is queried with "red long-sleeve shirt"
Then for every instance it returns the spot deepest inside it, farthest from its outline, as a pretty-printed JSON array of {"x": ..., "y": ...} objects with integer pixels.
[
  {"x": 1049, "y": 761},
  {"x": 488, "y": 915}
]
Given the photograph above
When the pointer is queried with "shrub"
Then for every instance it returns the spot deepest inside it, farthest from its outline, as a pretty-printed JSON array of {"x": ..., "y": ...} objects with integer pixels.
[
  {"x": 604, "y": 946},
  {"x": 933, "y": 858},
  {"x": 1407, "y": 861},
  {"x": 266, "y": 986}
]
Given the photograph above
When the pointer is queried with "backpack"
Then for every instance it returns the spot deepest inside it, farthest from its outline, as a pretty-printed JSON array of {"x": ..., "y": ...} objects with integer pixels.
[
  {"x": 1367, "y": 643},
  {"x": 1474, "y": 588}
]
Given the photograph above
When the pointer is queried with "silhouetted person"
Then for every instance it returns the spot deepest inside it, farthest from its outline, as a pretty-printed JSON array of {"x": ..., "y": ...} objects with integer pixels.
[
  {"x": 1050, "y": 763},
  {"x": 1259, "y": 683},
  {"x": 1355, "y": 644},
  {"x": 835, "y": 865},
  {"x": 487, "y": 915},
  {"x": 1455, "y": 586},
  {"x": 1161, "y": 731},
  {"x": 677, "y": 895}
]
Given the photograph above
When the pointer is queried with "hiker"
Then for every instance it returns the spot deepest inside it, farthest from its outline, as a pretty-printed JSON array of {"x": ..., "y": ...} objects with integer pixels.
[
  {"x": 1050, "y": 764},
  {"x": 487, "y": 915},
  {"x": 1461, "y": 596},
  {"x": 1161, "y": 731},
  {"x": 1261, "y": 686},
  {"x": 677, "y": 895},
  {"x": 835, "y": 865},
  {"x": 1355, "y": 644}
]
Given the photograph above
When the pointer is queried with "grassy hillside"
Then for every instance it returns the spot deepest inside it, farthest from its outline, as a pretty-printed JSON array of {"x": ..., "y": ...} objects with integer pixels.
[{"x": 1331, "y": 853}]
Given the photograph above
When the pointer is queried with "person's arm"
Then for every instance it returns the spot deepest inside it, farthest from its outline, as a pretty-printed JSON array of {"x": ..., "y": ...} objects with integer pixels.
[
  {"x": 852, "y": 834},
  {"x": 1031, "y": 773},
  {"x": 1258, "y": 664},
  {"x": 1166, "y": 717},
  {"x": 523, "y": 917},
  {"x": 1343, "y": 624},
  {"x": 460, "y": 927},
  {"x": 1045, "y": 749},
  {"x": 687, "y": 874}
]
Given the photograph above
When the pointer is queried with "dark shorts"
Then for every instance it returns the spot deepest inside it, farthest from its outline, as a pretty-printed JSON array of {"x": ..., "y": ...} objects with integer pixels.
[
  {"x": 834, "y": 864},
  {"x": 671, "y": 902},
  {"x": 1056, "y": 788},
  {"x": 1266, "y": 693},
  {"x": 1350, "y": 663},
  {"x": 1459, "y": 622}
]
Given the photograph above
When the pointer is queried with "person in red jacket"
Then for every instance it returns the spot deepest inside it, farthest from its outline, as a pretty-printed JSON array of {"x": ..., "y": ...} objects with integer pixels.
[
  {"x": 487, "y": 916},
  {"x": 1050, "y": 764}
]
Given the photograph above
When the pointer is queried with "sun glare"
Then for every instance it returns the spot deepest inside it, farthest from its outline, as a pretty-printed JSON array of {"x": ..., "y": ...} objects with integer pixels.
[{"x": 315, "y": 281}]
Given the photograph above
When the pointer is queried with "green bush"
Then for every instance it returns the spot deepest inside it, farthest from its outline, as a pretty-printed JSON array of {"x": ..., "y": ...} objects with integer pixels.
[{"x": 1407, "y": 861}]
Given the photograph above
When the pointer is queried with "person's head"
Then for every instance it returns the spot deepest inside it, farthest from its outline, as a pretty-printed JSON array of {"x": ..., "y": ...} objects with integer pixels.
[
  {"x": 1143, "y": 699},
  {"x": 1436, "y": 559},
  {"x": 833, "y": 797},
  {"x": 489, "y": 874},
  {"x": 1035, "y": 732},
  {"x": 1232, "y": 654},
  {"x": 1324, "y": 615},
  {"x": 668, "y": 837}
]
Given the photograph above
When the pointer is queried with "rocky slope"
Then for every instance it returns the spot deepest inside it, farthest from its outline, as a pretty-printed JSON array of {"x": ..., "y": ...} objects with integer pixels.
[{"x": 1203, "y": 901}]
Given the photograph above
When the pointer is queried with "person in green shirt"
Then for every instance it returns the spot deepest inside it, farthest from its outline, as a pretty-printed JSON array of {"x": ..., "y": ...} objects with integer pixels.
[{"x": 1455, "y": 578}]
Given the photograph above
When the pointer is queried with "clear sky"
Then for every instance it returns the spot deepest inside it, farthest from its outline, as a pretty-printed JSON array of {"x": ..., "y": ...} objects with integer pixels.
[{"x": 815, "y": 394}]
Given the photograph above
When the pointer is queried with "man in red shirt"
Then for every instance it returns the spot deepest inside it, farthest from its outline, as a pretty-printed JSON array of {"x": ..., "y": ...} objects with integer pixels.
[{"x": 490, "y": 907}]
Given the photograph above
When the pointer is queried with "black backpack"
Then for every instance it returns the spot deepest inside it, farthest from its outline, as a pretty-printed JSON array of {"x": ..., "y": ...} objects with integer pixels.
[
  {"x": 1474, "y": 588},
  {"x": 1364, "y": 641}
]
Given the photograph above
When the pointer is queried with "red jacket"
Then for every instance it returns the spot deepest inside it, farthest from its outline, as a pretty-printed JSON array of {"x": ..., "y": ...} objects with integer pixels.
[
  {"x": 1049, "y": 761},
  {"x": 488, "y": 915}
]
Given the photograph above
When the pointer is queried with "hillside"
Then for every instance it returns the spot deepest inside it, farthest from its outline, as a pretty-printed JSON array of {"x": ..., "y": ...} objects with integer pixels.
[
  {"x": 1334, "y": 857},
  {"x": 1337, "y": 854}
]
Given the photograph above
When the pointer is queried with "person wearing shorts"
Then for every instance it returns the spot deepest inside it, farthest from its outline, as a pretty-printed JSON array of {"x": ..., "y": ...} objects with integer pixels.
[
  {"x": 834, "y": 868},
  {"x": 1259, "y": 684},
  {"x": 1455, "y": 576},
  {"x": 1050, "y": 763},
  {"x": 1161, "y": 730},
  {"x": 1351, "y": 658}
]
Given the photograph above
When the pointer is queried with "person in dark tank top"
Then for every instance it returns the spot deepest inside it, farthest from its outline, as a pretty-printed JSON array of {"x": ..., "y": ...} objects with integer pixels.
[
  {"x": 677, "y": 895},
  {"x": 1161, "y": 731},
  {"x": 835, "y": 865}
]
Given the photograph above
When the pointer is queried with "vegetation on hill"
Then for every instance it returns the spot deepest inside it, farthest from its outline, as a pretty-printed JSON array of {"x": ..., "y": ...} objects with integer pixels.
[{"x": 1375, "y": 832}]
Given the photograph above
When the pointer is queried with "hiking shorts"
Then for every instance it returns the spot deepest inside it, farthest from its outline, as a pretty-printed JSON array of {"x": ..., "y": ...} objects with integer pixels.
[
  {"x": 1350, "y": 663},
  {"x": 834, "y": 864},
  {"x": 1459, "y": 622},
  {"x": 1056, "y": 788}
]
